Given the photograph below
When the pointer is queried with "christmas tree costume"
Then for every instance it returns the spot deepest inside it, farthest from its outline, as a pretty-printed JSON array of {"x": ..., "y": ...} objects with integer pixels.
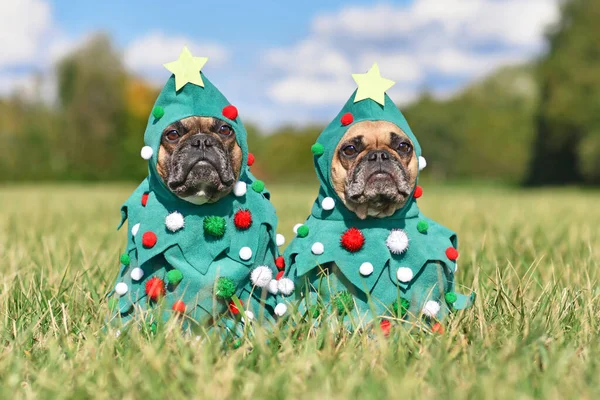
[
  {"x": 198, "y": 262},
  {"x": 368, "y": 270}
]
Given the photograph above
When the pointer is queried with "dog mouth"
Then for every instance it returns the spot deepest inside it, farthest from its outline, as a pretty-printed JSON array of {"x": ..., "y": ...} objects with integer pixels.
[{"x": 201, "y": 173}]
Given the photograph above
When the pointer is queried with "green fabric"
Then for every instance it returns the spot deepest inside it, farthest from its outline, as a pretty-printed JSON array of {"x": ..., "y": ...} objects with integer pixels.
[
  {"x": 192, "y": 259},
  {"x": 318, "y": 280}
]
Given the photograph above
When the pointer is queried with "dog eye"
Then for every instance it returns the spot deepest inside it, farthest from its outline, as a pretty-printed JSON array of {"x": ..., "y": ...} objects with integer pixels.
[
  {"x": 404, "y": 148},
  {"x": 172, "y": 135},
  {"x": 349, "y": 150},
  {"x": 225, "y": 130}
]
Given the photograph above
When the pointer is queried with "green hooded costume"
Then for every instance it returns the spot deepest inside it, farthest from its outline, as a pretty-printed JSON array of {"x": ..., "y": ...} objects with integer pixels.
[
  {"x": 199, "y": 262},
  {"x": 400, "y": 266}
]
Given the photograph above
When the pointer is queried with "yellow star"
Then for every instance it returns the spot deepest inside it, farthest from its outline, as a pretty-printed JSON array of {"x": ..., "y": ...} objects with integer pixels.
[
  {"x": 187, "y": 69},
  {"x": 372, "y": 86}
]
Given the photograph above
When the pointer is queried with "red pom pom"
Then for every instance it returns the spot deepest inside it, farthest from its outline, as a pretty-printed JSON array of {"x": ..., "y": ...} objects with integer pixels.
[
  {"x": 155, "y": 288},
  {"x": 250, "y": 159},
  {"x": 438, "y": 328},
  {"x": 233, "y": 308},
  {"x": 242, "y": 219},
  {"x": 279, "y": 275},
  {"x": 149, "y": 239},
  {"x": 179, "y": 306},
  {"x": 280, "y": 262},
  {"x": 385, "y": 326},
  {"x": 230, "y": 112},
  {"x": 145, "y": 199},
  {"x": 452, "y": 253},
  {"x": 347, "y": 119},
  {"x": 418, "y": 192},
  {"x": 352, "y": 240}
]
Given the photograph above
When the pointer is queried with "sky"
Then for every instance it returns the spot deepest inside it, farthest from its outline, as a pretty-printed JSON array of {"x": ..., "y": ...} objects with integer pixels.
[{"x": 282, "y": 62}]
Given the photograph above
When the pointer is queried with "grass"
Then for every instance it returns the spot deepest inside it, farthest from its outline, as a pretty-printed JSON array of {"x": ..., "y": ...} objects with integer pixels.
[{"x": 532, "y": 258}]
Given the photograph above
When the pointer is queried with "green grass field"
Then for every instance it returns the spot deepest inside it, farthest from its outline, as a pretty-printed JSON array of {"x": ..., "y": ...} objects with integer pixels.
[{"x": 532, "y": 257}]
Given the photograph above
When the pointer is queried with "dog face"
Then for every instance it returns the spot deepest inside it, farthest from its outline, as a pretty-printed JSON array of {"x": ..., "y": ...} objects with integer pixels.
[
  {"x": 374, "y": 169},
  {"x": 199, "y": 159}
]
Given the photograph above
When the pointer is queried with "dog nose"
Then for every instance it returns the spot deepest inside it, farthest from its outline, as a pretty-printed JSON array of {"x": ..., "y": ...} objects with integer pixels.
[
  {"x": 378, "y": 155},
  {"x": 202, "y": 141}
]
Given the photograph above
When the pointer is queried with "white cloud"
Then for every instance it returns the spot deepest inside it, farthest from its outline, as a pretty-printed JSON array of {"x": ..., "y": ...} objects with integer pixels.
[{"x": 147, "y": 54}]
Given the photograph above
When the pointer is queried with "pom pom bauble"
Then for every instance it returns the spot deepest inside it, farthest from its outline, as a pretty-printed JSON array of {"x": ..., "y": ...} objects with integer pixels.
[
  {"x": 214, "y": 226},
  {"x": 438, "y": 328},
  {"x": 285, "y": 286},
  {"x": 280, "y": 262},
  {"x": 155, "y": 288},
  {"x": 136, "y": 274},
  {"x": 431, "y": 308},
  {"x": 422, "y": 226},
  {"x": 121, "y": 288},
  {"x": 317, "y": 149},
  {"x": 125, "y": 259},
  {"x": 179, "y": 306},
  {"x": 404, "y": 274},
  {"x": 242, "y": 219},
  {"x": 149, "y": 239},
  {"x": 233, "y": 308},
  {"x": 261, "y": 276},
  {"x": 295, "y": 229},
  {"x": 344, "y": 302},
  {"x": 418, "y": 192},
  {"x": 249, "y": 315},
  {"x": 280, "y": 239},
  {"x": 450, "y": 297},
  {"x": 422, "y": 163},
  {"x": 146, "y": 152},
  {"x": 347, "y": 119},
  {"x": 240, "y": 188},
  {"x": 273, "y": 287},
  {"x": 397, "y": 241},
  {"x": 328, "y": 203},
  {"x": 280, "y": 309},
  {"x": 245, "y": 253},
  {"x": 174, "y": 221},
  {"x": 174, "y": 276},
  {"x": 158, "y": 112},
  {"x": 250, "y": 159},
  {"x": 366, "y": 269},
  {"x": 225, "y": 288},
  {"x": 352, "y": 240},
  {"x": 230, "y": 112},
  {"x": 145, "y": 199},
  {"x": 258, "y": 186},
  {"x": 135, "y": 229},
  {"x": 385, "y": 326},
  {"x": 302, "y": 231},
  {"x": 451, "y": 253},
  {"x": 400, "y": 308},
  {"x": 317, "y": 248},
  {"x": 279, "y": 275}
]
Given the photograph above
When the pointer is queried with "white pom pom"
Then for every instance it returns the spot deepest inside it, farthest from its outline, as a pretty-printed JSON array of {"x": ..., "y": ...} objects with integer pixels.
[
  {"x": 121, "y": 288},
  {"x": 404, "y": 274},
  {"x": 317, "y": 248},
  {"x": 296, "y": 228},
  {"x": 280, "y": 309},
  {"x": 240, "y": 188},
  {"x": 146, "y": 152},
  {"x": 431, "y": 308},
  {"x": 117, "y": 333},
  {"x": 245, "y": 253},
  {"x": 261, "y": 276},
  {"x": 272, "y": 287},
  {"x": 280, "y": 239},
  {"x": 137, "y": 274},
  {"x": 422, "y": 163},
  {"x": 135, "y": 229},
  {"x": 397, "y": 241},
  {"x": 174, "y": 221},
  {"x": 328, "y": 203},
  {"x": 249, "y": 315},
  {"x": 366, "y": 269},
  {"x": 286, "y": 286}
]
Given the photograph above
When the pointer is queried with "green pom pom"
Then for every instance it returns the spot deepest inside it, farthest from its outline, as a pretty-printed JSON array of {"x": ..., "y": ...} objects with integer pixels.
[
  {"x": 125, "y": 260},
  {"x": 314, "y": 311},
  {"x": 174, "y": 276},
  {"x": 258, "y": 186},
  {"x": 422, "y": 226},
  {"x": 158, "y": 112},
  {"x": 225, "y": 288},
  {"x": 214, "y": 226},
  {"x": 400, "y": 309},
  {"x": 302, "y": 231},
  {"x": 112, "y": 304},
  {"x": 237, "y": 344},
  {"x": 344, "y": 302},
  {"x": 317, "y": 149},
  {"x": 450, "y": 297}
]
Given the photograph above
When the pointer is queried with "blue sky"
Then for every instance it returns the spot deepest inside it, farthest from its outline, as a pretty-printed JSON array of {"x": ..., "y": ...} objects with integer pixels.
[{"x": 283, "y": 62}]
